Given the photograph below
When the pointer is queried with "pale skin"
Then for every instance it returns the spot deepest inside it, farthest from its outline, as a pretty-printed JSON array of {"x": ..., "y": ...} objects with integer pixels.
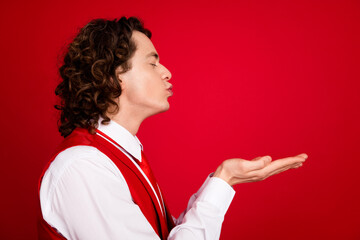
[{"x": 145, "y": 92}]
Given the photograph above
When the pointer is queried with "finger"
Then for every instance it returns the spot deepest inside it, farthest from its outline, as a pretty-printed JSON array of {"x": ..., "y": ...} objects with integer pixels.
[
  {"x": 303, "y": 155},
  {"x": 257, "y": 163},
  {"x": 290, "y": 160},
  {"x": 292, "y": 166},
  {"x": 299, "y": 165},
  {"x": 261, "y": 174},
  {"x": 279, "y": 165},
  {"x": 284, "y": 169}
]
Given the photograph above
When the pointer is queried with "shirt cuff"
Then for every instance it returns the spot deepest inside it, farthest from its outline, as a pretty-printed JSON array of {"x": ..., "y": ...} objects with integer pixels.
[{"x": 216, "y": 192}]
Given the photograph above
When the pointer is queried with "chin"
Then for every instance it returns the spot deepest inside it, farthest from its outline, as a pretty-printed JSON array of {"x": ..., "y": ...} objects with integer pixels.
[
  {"x": 165, "y": 108},
  {"x": 161, "y": 109}
]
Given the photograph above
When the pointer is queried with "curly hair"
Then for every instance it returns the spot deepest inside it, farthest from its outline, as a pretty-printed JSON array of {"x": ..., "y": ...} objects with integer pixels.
[{"x": 89, "y": 84}]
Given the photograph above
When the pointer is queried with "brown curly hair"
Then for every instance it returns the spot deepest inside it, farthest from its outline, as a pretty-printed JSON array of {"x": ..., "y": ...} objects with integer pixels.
[{"x": 89, "y": 84}]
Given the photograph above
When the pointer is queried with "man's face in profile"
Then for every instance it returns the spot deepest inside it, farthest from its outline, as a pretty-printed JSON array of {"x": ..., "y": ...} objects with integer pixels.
[{"x": 145, "y": 87}]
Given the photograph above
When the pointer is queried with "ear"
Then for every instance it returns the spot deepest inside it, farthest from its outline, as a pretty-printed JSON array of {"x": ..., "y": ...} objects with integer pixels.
[
  {"x": 119, "y": 74},
  {"x": 112, "y": 79},
  {"x": 121, "y": 81}
]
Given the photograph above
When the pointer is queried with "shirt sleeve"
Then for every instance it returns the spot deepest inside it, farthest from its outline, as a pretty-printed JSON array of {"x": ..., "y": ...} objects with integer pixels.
[
  {"x": 85, "y": 196},
  {"x": 205, "y": 212}
]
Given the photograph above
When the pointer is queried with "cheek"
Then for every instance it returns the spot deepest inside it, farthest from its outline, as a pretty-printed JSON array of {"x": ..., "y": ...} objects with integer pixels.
[
  {"x": 142, "y": 89},
  {"x": 150, "y": 85},
  {"x": 151, "y": 88}
]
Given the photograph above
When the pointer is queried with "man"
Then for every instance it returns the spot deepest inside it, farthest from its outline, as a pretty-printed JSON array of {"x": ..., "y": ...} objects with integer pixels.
[{"x": 99, "y": 184}]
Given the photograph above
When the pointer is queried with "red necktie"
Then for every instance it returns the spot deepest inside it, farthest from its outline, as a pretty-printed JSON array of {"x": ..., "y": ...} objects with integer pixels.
[
  {"x": 167, "y": 220},
  {"x": 144, "y": 165}
]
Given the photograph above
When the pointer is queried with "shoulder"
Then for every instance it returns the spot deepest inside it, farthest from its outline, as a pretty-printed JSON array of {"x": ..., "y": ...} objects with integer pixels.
[
  {"x": 80, "y": 177},
  {"x": 80, "y": 158},
  {"x": 78, "y": 165},
  {"x": 75, "y": 155}
]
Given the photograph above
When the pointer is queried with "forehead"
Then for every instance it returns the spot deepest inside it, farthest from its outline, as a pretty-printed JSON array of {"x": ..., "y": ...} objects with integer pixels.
[{"x": 143, "y": 43}]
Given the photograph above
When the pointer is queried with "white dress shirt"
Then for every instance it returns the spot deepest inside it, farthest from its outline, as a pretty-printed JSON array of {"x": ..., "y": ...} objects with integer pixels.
[{"x": 84, "y": 196}]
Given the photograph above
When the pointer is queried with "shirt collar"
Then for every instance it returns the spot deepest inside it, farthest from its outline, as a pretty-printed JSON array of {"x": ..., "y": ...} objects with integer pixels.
[{"x": 123, "y": 137}]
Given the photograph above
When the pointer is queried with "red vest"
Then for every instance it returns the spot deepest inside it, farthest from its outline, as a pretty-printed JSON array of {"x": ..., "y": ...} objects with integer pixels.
[{"x": 140, "y": 190}]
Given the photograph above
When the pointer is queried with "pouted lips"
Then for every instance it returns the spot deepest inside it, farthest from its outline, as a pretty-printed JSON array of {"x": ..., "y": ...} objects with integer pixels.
[{"x": 170, "y": 90}]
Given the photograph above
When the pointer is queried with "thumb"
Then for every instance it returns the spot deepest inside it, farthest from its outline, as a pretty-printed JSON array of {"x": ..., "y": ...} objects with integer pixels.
[
  {"x": 257, "y": 163},
  {"x": 263, "y": 157}
]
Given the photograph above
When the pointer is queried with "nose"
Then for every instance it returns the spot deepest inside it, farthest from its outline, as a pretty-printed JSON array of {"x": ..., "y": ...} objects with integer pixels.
[{"x": 166, "y": 75}]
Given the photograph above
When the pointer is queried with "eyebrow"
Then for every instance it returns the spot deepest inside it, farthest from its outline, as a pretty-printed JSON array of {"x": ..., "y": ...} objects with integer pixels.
[{"x": 153, "y": 54}]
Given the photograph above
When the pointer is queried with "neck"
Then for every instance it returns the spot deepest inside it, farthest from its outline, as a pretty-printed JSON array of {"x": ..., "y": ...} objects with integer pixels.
[
  {"x": 127, "y": 118},
  {"x": 127, "y": 122}
]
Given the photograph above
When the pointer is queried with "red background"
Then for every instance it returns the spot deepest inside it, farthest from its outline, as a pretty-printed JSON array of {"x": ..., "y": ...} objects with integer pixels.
[{"x": 250, "y": 78}]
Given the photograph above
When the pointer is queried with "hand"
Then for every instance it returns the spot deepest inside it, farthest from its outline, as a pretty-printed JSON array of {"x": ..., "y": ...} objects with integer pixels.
[{"x": 237, "y": 170}]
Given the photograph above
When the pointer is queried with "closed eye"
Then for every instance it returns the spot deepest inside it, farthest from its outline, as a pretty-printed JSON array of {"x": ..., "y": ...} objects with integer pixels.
[{"x": 153, "y": 64}]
